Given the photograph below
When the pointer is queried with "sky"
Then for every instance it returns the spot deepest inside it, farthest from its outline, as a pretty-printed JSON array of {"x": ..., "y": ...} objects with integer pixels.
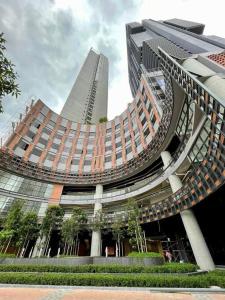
[{"x": 48, "y": 41}]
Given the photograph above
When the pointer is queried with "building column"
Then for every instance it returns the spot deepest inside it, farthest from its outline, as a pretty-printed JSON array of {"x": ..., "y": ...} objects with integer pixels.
[
  {"x": 96, "y": 234},
  {"x": 199, "y": 247}
]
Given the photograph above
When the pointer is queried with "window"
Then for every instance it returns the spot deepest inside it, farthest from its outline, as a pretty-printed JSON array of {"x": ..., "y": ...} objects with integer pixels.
[
  {"x": 153, "y": 119},
  {"x": 128, "y": 149},
  {"x": 108, "y": 148},
  {"x": 117, "y": 135},
  {"x": 140, "y": 112},
  {"x": 36, "y": 152},
  {"x": 146, "y": 132},
  {"x": 118, "y": 155},
  {"x": 118, "y": 144},
  {"x": 132, "y": 114},
  {"x": 47, "y": 131},
  {"x": 89, "y": 151},
  {"x": 31, "y": 134},
  {"x": 62, "y": 159},
  {"x": 137, "y": 142},
  {"x": 136, "y": 131},
  {"x": 139, "y": 103},
  {"x": 51, "y": 124},
  {"x": 50, "y": 157},
  {"x": 75, "y": 162},
  {"x": 26, "y": 146},
  {"x": 143, "y": 121},
  {"x": 127, "y": 139},
  {"x": 125, "y": 121},
  {"x": 126, "y": 129},
  {"x": 108, "y": 158},
  {"x": 117, "y": 126},
  {"x": 36, "y": 124},
  {"x": 79, "y": 151},
  {"x": 62, "y": 128},
  {"x": 55, "y": 146},
  {"x": 149, "y": 107},
  {"x": 42, "y": 141},
  {"x": 87, "y": 162}
]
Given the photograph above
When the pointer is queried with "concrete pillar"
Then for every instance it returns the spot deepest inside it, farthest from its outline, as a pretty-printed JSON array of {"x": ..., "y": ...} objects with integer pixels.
[
  {"x": 201, "y": 252},
  {"x": 96, "y": 235}
]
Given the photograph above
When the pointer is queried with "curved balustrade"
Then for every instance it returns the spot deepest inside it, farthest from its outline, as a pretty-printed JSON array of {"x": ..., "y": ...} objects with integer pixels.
[
  {"x": 203, "y": 147},
  {"x": 206, "y": 152},
  {"x": 133, "y": 139}
]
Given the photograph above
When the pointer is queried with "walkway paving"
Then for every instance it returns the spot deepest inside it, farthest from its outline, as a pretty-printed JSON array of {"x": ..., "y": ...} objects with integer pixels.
[{"x": 38, "y": 293}]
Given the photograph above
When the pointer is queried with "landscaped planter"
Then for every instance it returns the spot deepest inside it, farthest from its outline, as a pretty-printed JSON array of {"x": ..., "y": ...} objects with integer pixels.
[
  {"x": 129, "y": 261},
  {"x": 84, "y": 260}
]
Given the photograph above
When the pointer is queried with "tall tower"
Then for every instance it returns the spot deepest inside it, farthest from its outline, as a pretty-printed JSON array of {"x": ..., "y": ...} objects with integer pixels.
[
  {"x": 88, "y": 99},
  {"x": 179, "y": 38}
]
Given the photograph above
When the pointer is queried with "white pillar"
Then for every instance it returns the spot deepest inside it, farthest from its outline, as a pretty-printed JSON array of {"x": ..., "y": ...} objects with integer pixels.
[
  {"x": 96, "y": 235},
  {"x": 200, "y": 250}
]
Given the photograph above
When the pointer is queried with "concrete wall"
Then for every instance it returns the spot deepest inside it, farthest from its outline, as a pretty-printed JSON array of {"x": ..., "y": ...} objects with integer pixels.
[{"x": 84, "y": 260}]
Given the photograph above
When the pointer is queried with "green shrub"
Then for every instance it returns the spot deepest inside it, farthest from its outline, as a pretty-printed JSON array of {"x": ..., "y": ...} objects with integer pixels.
[
  {"x": 109, "y": 268},
  {"x": 144, "y": 254},
  {"x": 7, "y": 255},
  {"x": 130, "y": 280}
]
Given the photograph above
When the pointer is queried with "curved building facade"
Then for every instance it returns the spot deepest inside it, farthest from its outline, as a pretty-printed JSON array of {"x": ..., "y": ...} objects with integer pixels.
[{"x": 166, "y": 150}]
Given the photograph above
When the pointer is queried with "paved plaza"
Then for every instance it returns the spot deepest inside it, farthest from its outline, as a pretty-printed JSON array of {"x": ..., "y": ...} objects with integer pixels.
[{"x": 39, "y": 293}]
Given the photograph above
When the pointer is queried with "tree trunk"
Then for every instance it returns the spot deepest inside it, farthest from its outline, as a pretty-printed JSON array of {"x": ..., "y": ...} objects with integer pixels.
[
  {"x": 146, "y": 249},
  {"x": 137, "y": 241},
  {"x": 47, "y": 241},
  {"x": 26, "y": 246},
  {"x": 18, "y": 252},
  {"x": 4, "y": 245},
  {"x": 24, "y": 243},
  {"x": 78, "y": 246},
  {"x": 47, "y": 244},
  {"x": 6, "y": 249},
  {"x": 140, "y": 237},
  {"x": 122, "y": 254}
]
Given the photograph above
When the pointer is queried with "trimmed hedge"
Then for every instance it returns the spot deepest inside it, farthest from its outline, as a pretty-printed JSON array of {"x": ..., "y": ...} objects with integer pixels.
[
  {"x": 144, "y": 254},
  {"x": 129, "y": 280},
  {"x": 166, "y": 268},
  {"x": 7, "y": 255}
]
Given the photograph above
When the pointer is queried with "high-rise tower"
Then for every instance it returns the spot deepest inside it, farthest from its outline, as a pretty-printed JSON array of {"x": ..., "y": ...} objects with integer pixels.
[
  {"x": 179, "y": 38},
  {"x": 88, "y": 99}
]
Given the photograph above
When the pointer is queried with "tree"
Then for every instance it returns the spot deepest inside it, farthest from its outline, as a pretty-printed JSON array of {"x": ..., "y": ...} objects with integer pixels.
[
  {"x": 71, "y": 228},
  {"x": 28, "y": 231},
  {"x": 10, "y": 233},
  {"x": 118, "y": 230},
  {"x": 5, "y": 239},
  {"x": 52, "y": 221},
  {"x": 98, "y": 221},
  {"x": 68, "y": 233},
  {"x": 134, "y": 229},
  {"x": 103, "y": 120},
  {"x": 8, "y": 76}
]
